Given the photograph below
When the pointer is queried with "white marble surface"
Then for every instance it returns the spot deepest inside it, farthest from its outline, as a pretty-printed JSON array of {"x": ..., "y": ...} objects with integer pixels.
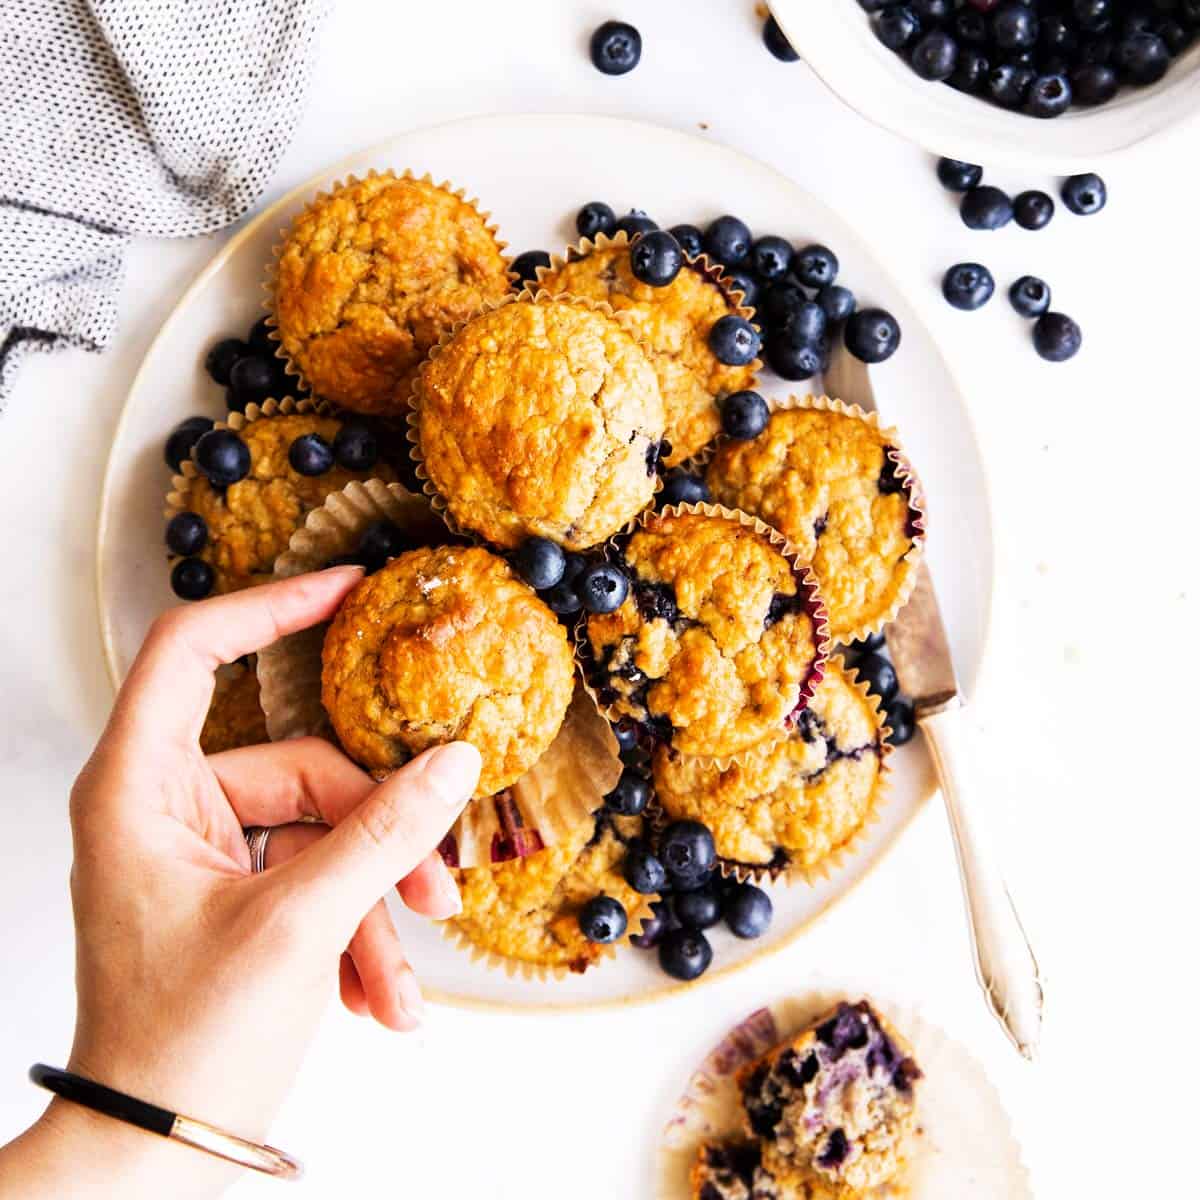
[{"x": 1082, "y": 731}]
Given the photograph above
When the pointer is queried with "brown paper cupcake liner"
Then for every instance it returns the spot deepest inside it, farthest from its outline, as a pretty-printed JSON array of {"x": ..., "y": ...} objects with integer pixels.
[
  {"x": 807, "y": 585},
  {"x": 965, "y": 1145},
  {"x": 526, "y": 296},
  {"x": 562, "y": 789},
  {"x": 905, "y": 472},
  {"x": 270, "y": 280},
  {"x": 813, "y": 873}
]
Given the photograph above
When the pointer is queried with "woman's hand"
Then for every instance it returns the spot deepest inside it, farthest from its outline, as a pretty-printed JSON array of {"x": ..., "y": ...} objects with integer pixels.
[{"x": 200, "y": 984}]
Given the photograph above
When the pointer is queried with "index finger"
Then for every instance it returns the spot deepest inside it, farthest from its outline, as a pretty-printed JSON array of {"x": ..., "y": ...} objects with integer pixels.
[{"x": 169, "y": 686}]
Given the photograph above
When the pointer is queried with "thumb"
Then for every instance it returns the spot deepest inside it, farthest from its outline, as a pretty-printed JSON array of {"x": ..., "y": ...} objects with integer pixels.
[{"x": 386, "y": 837}]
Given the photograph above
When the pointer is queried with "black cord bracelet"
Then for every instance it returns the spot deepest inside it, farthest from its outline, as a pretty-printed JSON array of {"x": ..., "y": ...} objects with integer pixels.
[{"x": 198, "y": 1134}]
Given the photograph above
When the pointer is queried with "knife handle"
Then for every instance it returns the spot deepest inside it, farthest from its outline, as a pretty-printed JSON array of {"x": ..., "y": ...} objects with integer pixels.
[{"x": 1004, "y": 960}]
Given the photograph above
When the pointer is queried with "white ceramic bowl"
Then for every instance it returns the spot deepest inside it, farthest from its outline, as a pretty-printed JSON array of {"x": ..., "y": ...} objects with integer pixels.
[{"x": 836, "y": 39}]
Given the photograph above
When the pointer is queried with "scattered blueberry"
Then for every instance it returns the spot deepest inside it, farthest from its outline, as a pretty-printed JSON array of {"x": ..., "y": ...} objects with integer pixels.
[
  {"x": 251, "y": 380},
  {"x": 744, "y": 415},
  {"x": 747, "y": 910},
  {"x": 355, "y": 447},
  {"x": 879, "y": 675},
  {"x": 1084, "y": 194},
  {"x": 815, "y": 266},
  {"x": 775, "y": 41},
  {"x": 807, "y": 323},
  {"x": 958, "y": 176},
  {"x": 602, "y": 919},
  {"x": 222, "y": 457},
  {"x": 742, "y": 281},
  {"x": 654, "y": 927},
  {"x": 1030, "y": 296},
  {"x": 690, "y": 239},
  {"x": 381, "y": 541},
  {"x": 594, "y": 219},
  {"x": 310, "y": 454},
  {"x": 540, "y": 562},
  {"x": 563, "y": 599},
  {"x": 684, "y": 954},
  {"x": 603, "y": 588},
  {"x": 186, "y": 533},
  {"x": 872, "y": 335},
  {"x": 771, "y": 257},
  {"x": 192, "y": 579},
  {"x": 631, "y": 795},
  {"x": 218, "y": 362},
  {"x": 934, "y": 57},
  {"x": 1056, "y": 337},
  {"x": 616, "y": 48},
  {"x": 793, "y": 360},
  {"x": 656, "y": 258},
  {"x": 699, "y": 908},
  {"x": 728, "y": 241},
  {"x": 635, "y": 222},
  {"x": 686, "y": 849},
  {"x": 681, "y": 488},
  {"x": 899, "y": 715},
  {"x": 182, "y": 438},
  {"x": 260, "y": 339},
  {"x": 734, "y": 341},
  {"x": 986, "y": 208},
  {"x": 526, "y": 265},
  {"x": 642, "y": 870},
  {"x": 780, "y": 299},
  {"x": 968, "y": 286},
  {"x": 1033, "y": 210},
  {"x": 836, "y": 301}
]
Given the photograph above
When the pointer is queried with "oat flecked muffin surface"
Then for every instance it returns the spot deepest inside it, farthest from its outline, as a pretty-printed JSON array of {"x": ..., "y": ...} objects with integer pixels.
[
  {"x": 717, "y": 644},
  {"x": 540, "y": 418},
  {"x": 250, "y": 522},
  {"x": 371, "y": 276},
  {"x": 235, "y": 716},
  {"x": 794, "y": 801},
  {"x": 443, "y": 644},
  {"x": 826, "y": 480},
  {"x": 528, "y": 909},
  {"x": 673, "y": 324}
]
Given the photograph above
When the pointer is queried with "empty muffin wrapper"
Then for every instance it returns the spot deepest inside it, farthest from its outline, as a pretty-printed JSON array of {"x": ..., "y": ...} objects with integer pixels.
[{"x": 965, "y": 1145}]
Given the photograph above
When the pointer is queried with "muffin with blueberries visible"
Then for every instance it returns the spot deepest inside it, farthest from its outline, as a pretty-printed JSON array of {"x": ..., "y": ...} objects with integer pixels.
[
  {"x": 837, "y": 487},
  {"x": 671, "y": 305},
  {"x": 557, "y": 909},
  {"x": 540, "y": 417},
  {"x": 443, "y": 644},
  {"x": 791, "y": 803},
  {"x": 248, "y": 490},
  {"x": 370, "y": 276},
  {"x": 235, "y": 717},
  {"x": 718, "y": 640}
]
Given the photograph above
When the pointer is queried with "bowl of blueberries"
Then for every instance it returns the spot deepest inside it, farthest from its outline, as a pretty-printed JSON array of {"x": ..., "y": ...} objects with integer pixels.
[{"x": 1051, "y": 84}]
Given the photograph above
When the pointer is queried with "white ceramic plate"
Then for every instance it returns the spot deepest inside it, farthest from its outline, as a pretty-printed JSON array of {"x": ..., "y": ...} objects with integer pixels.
[
  {"x": 533, "y": 173},
  {"x": 836, "y": 39}
]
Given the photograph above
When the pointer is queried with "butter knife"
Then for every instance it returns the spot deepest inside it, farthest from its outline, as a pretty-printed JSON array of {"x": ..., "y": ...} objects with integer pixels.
[{"x": 1004, "y": 961}]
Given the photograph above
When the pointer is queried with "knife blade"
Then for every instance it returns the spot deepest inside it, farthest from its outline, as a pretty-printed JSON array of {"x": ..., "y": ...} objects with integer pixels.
[{"x": 1005, "y": 965}]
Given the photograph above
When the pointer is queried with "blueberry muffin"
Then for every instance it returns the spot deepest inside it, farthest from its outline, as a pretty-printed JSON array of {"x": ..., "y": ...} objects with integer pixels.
[
  {"x": 248, "y": 523},
  {"x": 734, "y": 1171},
  {"x": 832, "y": 483},
  {"x": 836, "y": 1103},
  {"x": 792, "y": 802},
  {"x": 528, "y": 909},
  {"x": 235, "y": 717},
  {"x": 540, "y": 418},
  {"x": 717, "y": 645},
  {"x": 446, "y": 643},
  {"x": 673, "y": 324},
  {"x": 371, "y": 276}
]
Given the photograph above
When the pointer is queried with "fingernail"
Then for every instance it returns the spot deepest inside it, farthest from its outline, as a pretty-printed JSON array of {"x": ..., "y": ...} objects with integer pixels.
[
  {"x": 451, "y": 773},
  {"x": 408, "y": 992},
  {"x": 449, "y": 902},
  {"x": 347, "y": 568}
]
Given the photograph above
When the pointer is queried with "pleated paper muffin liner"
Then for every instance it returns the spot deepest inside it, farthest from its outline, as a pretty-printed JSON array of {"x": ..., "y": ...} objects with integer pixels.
[
  {"x": 704, "y": 266},
  {"x": 905, "y": 473},
  {"x": 543, "y": 805},
  {"x": 271, "y": 279},
  {"x": 593, "y": 677},
  {"x": 812, "y": 873},
  {"x": 965, "y": 1145},
  {"x": 526, "y": 296}
]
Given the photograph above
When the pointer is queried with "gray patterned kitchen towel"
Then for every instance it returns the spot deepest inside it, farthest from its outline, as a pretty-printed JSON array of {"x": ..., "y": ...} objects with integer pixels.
[{"x": 160, "y": 118}]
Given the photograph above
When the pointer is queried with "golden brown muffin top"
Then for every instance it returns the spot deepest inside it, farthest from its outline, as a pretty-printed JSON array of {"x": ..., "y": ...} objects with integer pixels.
[
  {"x": 371, "y": 276},
  {"x": 541, "y": 418},
  {"x": 800, "y": 798},
  {"x": 444, "y": 644},
  {"x": 528, "y": 909},
  {"x": 250, "y": 522},
  {"x": 673, "y": 324},
  {"x": 715, "y": 636},
  {"x": 820, "y": 479},
  {"x": 235, "y": 716}
]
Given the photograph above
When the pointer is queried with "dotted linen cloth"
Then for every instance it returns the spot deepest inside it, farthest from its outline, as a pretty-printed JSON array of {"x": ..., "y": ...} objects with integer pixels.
[{"x": 159, "y": 118}]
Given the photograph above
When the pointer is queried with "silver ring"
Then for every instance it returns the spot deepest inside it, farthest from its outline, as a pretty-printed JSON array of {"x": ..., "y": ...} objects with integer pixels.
[{"x": 256, "y": 840}]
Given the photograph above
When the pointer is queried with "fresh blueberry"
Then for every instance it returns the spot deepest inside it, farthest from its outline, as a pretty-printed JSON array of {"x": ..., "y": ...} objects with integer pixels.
[
  {"x": 642, "y": 870},
  {"x": 355, "y": 447},
  {"x": 635, "y": 222},
  {"x": 968, "y": 286},
  {"x": 1033, "y": 210},
  {"x": 603, "y": 588},
  {"x": 594, "y": 219},
  {"x": 684, "y": 954},
  {"x": 1097, "y": 51},
  {"x": 690, "y": 239},
  {"x": 381, "y": 541},
  {"x": 872, "y": 335},
  {"x": 626, "y": 733},
  {"x": 681, "y": 488},
  {"x": 1056, "y": 337},
  {"x": 816, "y": 266},
  {"x": 747, "y": 910},
  {"x": 182, "y": 438},
  {"x": 836, "y": 301},
  {"x": 260, "y": 339},
  {"x": 744, "y": 415},
  {"x": 310, "y": 454},
  {"x": 742, "y": 281},
  {"x": 525, "y": 265},
  {"x": 958, "y": 176},
  {"x": 1084, "y": 194},
  {"x": 655, "y": 927},
  {"x": 1009, "y": 84},
  {"x": 879, "y": 675},
  {"x": 780, "y": 299},
  {"x": 807, "y": 323},
  {"x": 775, "y": 41},
  {"x": 686, "y": 849},
  {"x": 631, "y": 795},
  {"x": 971, "y": 27},
  {"x": 986, "y": 208},
  {"x": 728, "y": 241},
  {"x": 192, "y": 579},
  {"x": 1030, "y": 296},
  {"x": 970, "y": 72},
  {"x": 1014, "y": 27},
  {"x": 616, "y": 48},
  {"x": 935, "y": 56},
  {"x": 563, "y": 599},
  {"x": 771, "y": 257},
  {"x": 222, "y": 457},
  {"x": 1175, "y": 35},
  {"x": 932, "y": 12},
  {"x": 698, "y": 909},
  {"x": 186, "y": 533},
  {"x": 1049, "y": 96},
  {"x": 656, "y": 258},
  {"x": 1142, "y": 58},
  {"x": 251, "y": 380},
  {"x": 573, "y": 567},
  {"x": 602, "y": 919},
  {"x": 1058, "y": 35},
  {"x": 734, "y": 341},
  {"x": 794, "y": 360},
  {"x": 896, "y": 27},
  {"x": 218, "y": 362},
  {"x": 899, "y": 716},
  {"x": 540, "y": 562},
  {"x": 1094, "y": 16}
]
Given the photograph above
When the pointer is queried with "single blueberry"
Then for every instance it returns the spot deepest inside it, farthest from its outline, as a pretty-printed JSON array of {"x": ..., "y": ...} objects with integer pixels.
[
  {"x": 816, "y": 266},
  {"x": 744, "y": 415},
  {"x": 218, "y": 362},
  {"x": 563, "y": 599},
  {"x": 780, "y": 299},
  {"x": 687, "y": 851},
  {"x": 879, "y": 675},
  {"x": 222, "y": 457},
  {"x": 771, "y": 257},
  {"x": 355, "y": 447},
  {"x": 971, "y": 27},
  {"x": 603, "y": 919},
  {"x": 1014, "y": 26},
  {"x": 899, "y": 715},
  {"x": 1056, "y": 337},
  {"x": 540, "y": 562},
  {"x": 836, "y": 301},
  {"x": 1097, "y": 51},
  {"x": 603, "y": 588},
  {"x": 594, "y": 219},
  {"x": 968, "y": 286},
  {"x": 897, "y": 26},
  {"x": 986, "y": 208},
  {"x": 182, "y": 438},
  {"x": 742, "y": 281},
  {"x": 1084, "y": 194},
  {"x": 251, "y": 379},
  {"x": 681, "y": 488},
  {"x": 1058, "y": 35},
  {"x": 192, "y": 579},
  {"x": 616, "y": 48},
  {"x": 794, "y": 360},
  {"x": 747, "y": 910},
  {"x": 698, "y": 909},
  {"x": 1049, "y": 96},
  {"x": 734, "y": 341},
  {"x": 1033, "y": 210},
  {"x": 656, "y": 258},
  {"x": 1176, "y": 36},
  {"x": 1142, "y": 58},
  {"x": 728, "y": 241},
  {"x": 872, "y": 335},
  {"x": 1008, "y": 84},
  {"x": 806, "y": 324},
  {"x": 775, "y": 40},
  {"x": 684, "y": 954},
  {"x": 631, "y": 795},
  {"x": 690, "y": 239},
  {"x": 958, "y": 176},
  {"x": 931, "y": 12},
  {"x": 186, "y": 533},
  {"x": 642, "y": 870},
  {"x": 381, "y": 541},
  {"x": 310, "y": 454},
  {"x": 626, "y": 733},
  {"x": 635, "y": 222},
  {"x": 1030, "y": 296},
  {"x": 525, "y": 266},
  {"x": 934, "y": 57},
  {"x": 260, "y": 339},
  {"x": 655, "y": 927}
]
